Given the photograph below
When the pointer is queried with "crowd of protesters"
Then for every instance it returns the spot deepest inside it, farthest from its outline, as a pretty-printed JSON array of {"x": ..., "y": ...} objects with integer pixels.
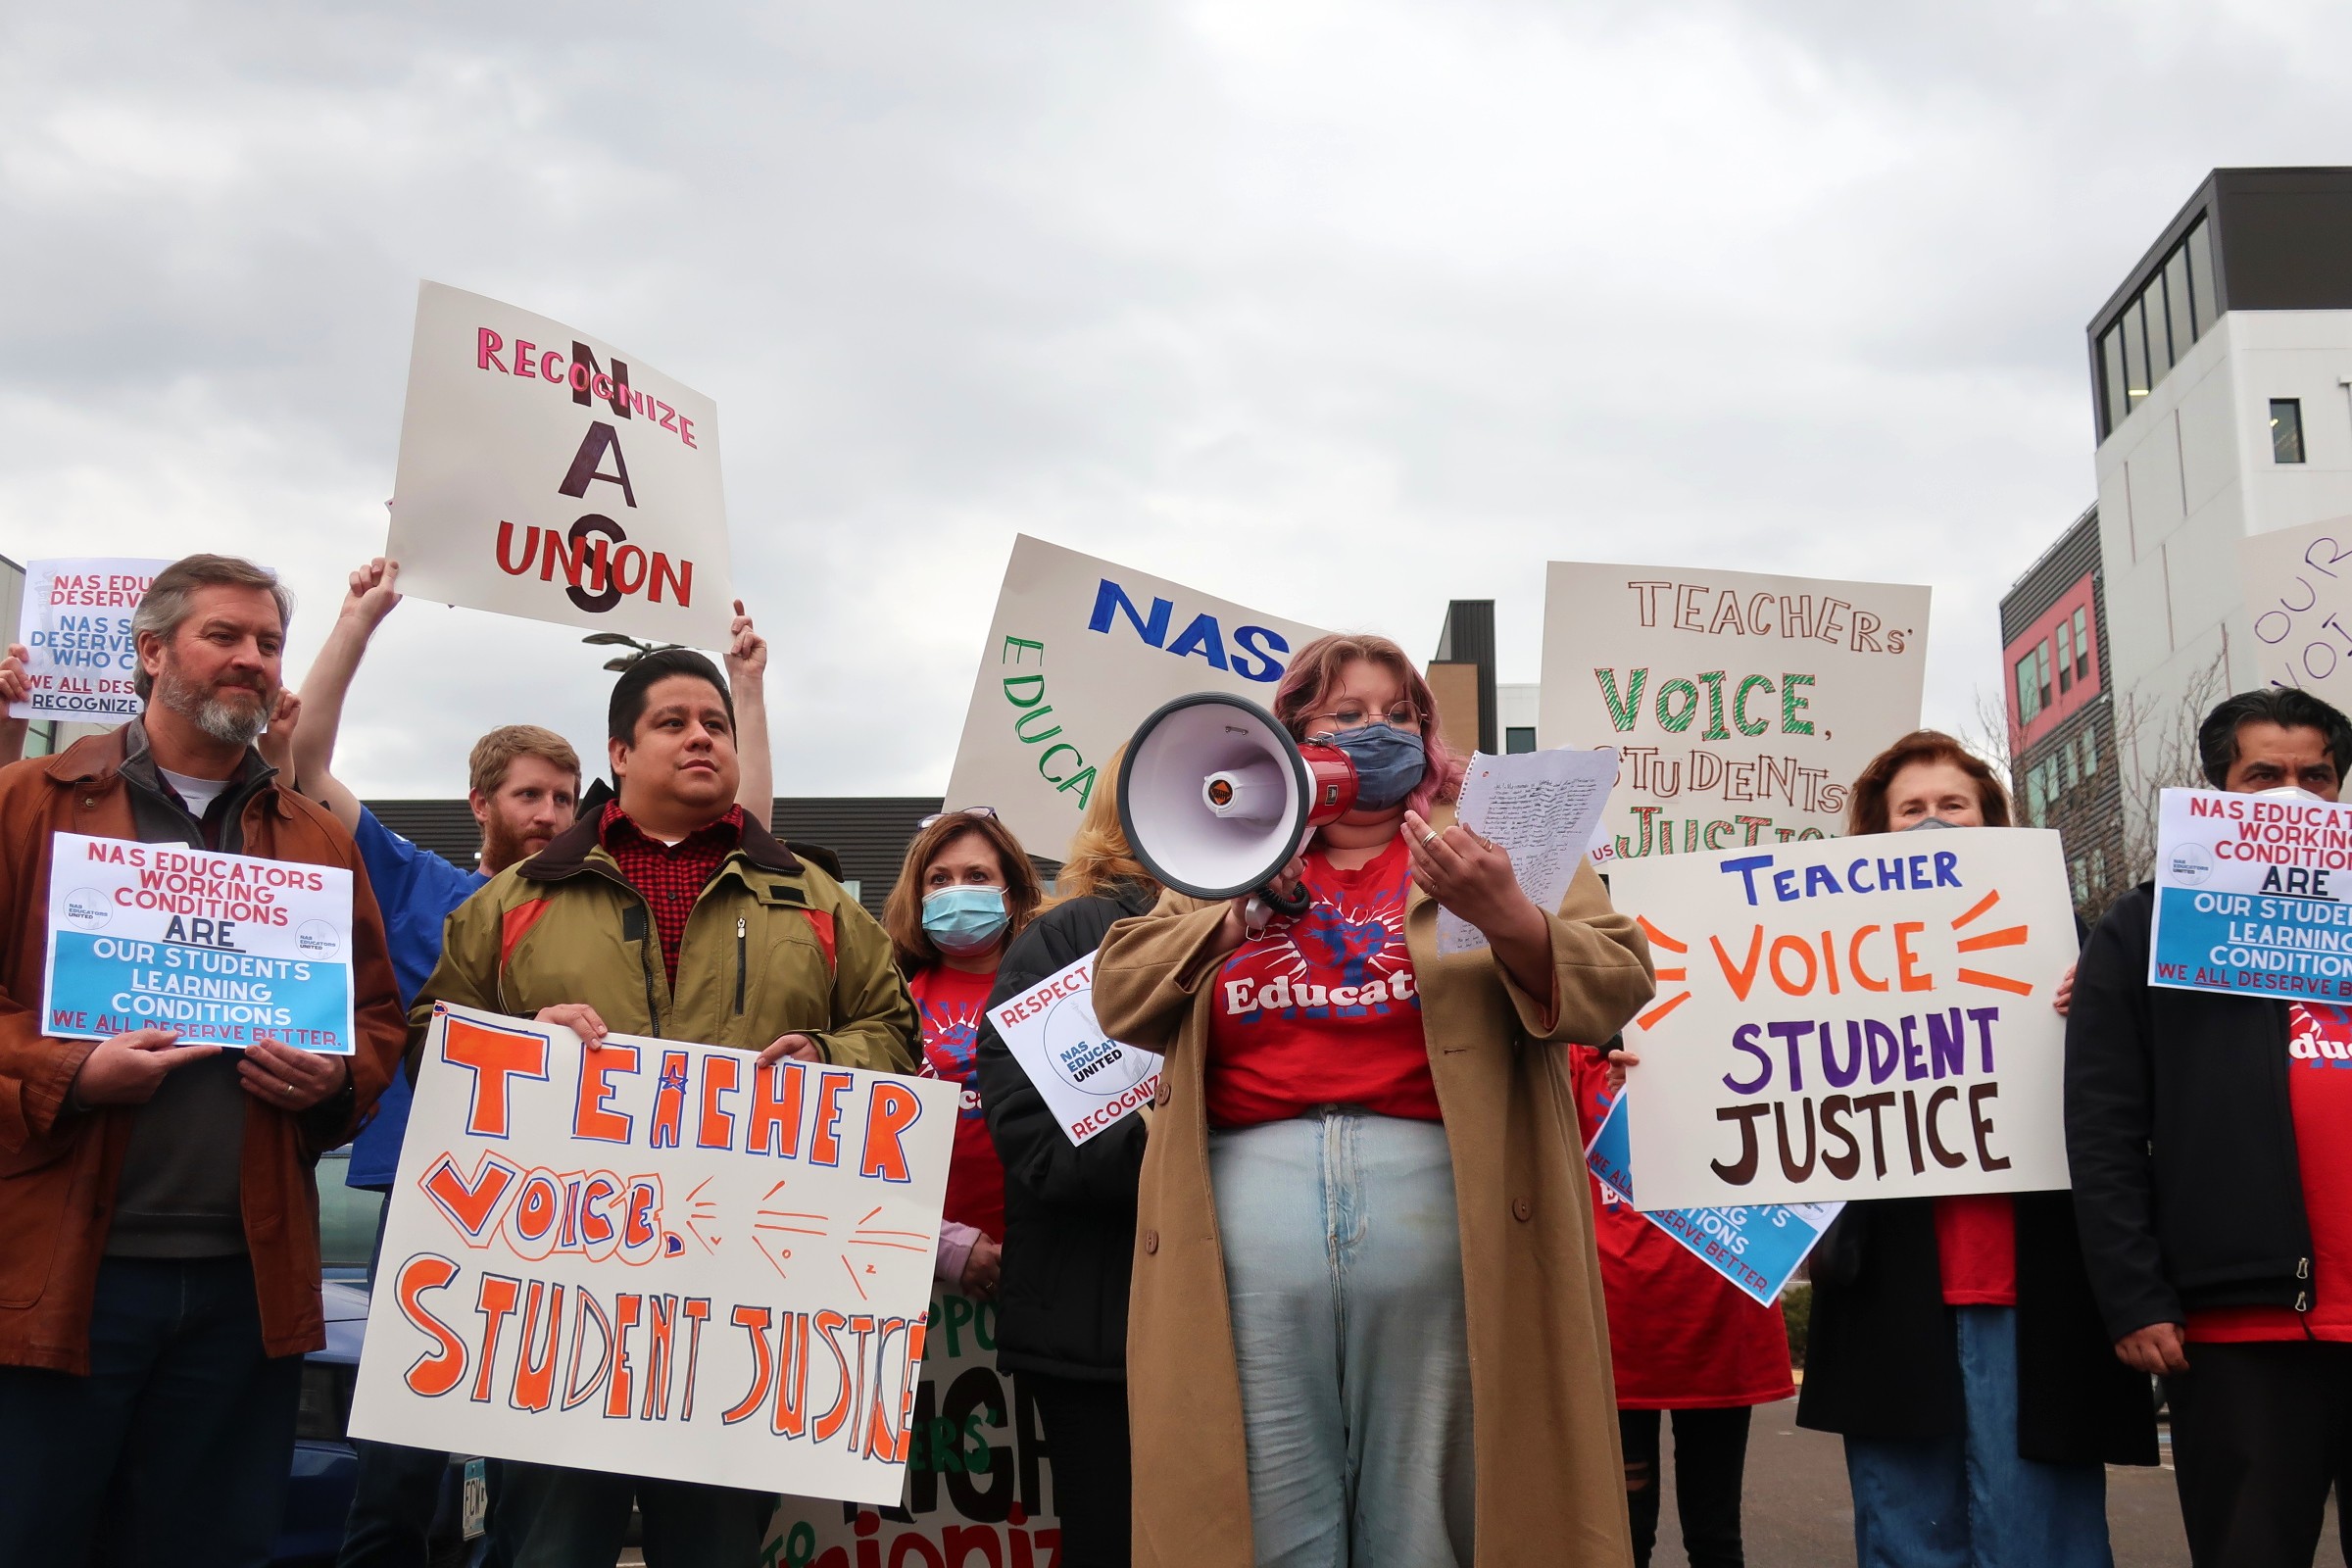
[{"x": 1343, "y": 1292}]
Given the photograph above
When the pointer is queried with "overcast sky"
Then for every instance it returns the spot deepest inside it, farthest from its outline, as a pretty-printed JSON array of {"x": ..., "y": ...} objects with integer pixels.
[{"x": 1337, "y": 309}]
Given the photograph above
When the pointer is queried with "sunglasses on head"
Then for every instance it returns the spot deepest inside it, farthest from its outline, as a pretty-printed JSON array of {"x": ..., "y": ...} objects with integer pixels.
[{"x": 965, "y": 811}]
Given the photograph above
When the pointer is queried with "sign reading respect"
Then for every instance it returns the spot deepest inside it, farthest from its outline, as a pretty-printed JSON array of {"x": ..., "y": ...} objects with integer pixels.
[
  {"x": 1090, "y": 1081},
  {"x": 2253, "y": 895},
  {"x": 223, "y": 949},
  {"x": 1864, "y": 1017},
  {"x": 658, "y": 1259}
]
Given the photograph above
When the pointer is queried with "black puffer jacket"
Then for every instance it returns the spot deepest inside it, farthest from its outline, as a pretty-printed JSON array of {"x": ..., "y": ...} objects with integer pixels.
[{"x": 1069, "y": 1212}]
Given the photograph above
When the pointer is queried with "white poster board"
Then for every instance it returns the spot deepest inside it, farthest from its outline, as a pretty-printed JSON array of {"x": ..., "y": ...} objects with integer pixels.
[
  {"x": 76, "y": 628},
  {"x": 1742, "y": 705},
  {"x": 1090, "y": 1081},
  {"x": 1081, "y": 651},
  {"x": 1868, "y": 1017},
  {"x": 546, "y": 473},
  {"x": 980, "y": 1483},
  {"x": 223, "y": 950},
  {"x": 2253, "y": 896},
  {"x": 2298, "y": 588},
  {"x": 1545, "y": 809},
  {"x": 657, "y": 1259}
]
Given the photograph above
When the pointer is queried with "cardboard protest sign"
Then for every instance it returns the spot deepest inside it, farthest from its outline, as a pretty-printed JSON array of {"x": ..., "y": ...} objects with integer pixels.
[
  {"x": 224, "y": 948},
  {"x": 76, "y": 626},
  {"x": 979, "y": 1482},
  {"x": 2298, "y": 588},
  {"x": 1868, "y": 1017},
  {"x": 1759, "y": 1248},
  {"x": 546, "y": 473},
  {"x": 1087, "y": 1080},
  {"x": 1081, "y": 651},
  {"x": 2253, "y": 895},
  {"x": 1742, "y": 706},
  {"x": 657, "y": 1259}
]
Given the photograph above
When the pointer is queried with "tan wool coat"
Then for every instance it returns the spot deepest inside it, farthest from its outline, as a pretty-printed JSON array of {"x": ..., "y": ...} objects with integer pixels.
[{"x": 1550, "y": 1481}]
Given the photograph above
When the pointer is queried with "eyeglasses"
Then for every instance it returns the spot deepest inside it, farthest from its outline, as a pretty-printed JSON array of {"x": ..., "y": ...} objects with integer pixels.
[
  {"x": 1355, "y": 715},
  {"x": 965, "y": 811}
]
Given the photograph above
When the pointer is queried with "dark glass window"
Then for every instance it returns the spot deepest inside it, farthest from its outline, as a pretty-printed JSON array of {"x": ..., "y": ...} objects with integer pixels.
[
  {"x": 2029, "y": 691},
  {"x": 2160, "y": 345},
  {"x": 2286, "y": 430},
  {"x": 2200, "y": 277},
  {"x": 2082, "y": 642},
  {"x": 1519, "y": 738},
  {"x": 2111, "y": 362},
  {"x": 2066, "y": 658},
  {"x": 2176, "y": 302},
  {"x": 2136, "y": 356}
]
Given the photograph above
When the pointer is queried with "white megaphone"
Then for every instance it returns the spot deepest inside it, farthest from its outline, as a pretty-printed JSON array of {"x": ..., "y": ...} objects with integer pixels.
[{"x": 1215, "y": 796}]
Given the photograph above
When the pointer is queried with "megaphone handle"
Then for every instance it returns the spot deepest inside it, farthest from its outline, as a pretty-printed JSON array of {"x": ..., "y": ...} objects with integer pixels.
[{"x": 1294, "y": 905}]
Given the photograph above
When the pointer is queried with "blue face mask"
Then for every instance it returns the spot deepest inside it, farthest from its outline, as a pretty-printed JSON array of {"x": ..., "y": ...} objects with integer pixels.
[
  {"x": 965, "y": 920},
  {"x": 1390, "y": 763}
]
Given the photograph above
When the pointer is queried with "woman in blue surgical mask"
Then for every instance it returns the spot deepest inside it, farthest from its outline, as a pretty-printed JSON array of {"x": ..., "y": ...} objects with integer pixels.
[{"x": 964, "y": 892}]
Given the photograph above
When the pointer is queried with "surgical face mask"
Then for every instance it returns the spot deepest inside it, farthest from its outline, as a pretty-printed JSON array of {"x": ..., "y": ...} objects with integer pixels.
[
  {"x": 964, "y": 919},
  {"x": 1389, "y": 762},
  {"x": 1927, "y": 822}
]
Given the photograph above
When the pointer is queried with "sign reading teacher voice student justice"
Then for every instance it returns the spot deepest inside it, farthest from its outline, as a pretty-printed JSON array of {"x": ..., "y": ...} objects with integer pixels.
[
  {"x": 2253, "y": 895},
  {"x": 222, "y": 949},
  {"x": 1850, "y": 1018}
]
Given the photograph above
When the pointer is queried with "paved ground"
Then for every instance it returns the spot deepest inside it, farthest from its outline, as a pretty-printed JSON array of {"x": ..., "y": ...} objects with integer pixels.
[{"x": 1799, "y": 1515}]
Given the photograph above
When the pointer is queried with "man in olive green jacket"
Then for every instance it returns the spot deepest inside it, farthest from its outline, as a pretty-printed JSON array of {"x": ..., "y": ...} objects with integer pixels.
[{"x": 667, "y": 911}]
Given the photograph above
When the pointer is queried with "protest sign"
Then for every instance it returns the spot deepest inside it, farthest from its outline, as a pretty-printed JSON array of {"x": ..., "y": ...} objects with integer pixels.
[
  {"x": 1545, "y": 809},
  {"x": 76, "y": 628},
  {"x": 1742, "y": 706},
  {"x": 2298, "y": 588},
  {"x": 1089, "y": 1080},
  {"x": 224, "y": 948},
  {"x": 2252, "y": 896},
  {"x": 1868, "y": 1017},
  {"x": 1081, "y": 651},
  {"x": 1759, "y": 1248},
  {"x": 657, "y": 1259},
  {"x": 546, "y": 473},
  {"x": 979, "y": 1480}
]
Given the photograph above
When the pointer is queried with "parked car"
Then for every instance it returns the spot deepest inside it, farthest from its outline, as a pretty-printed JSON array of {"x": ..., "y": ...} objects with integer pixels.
[{"x": 325, "y": 1464}]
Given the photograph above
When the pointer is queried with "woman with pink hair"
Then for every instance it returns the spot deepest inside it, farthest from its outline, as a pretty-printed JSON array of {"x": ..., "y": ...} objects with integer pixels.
[{"x": 1365, "y": 1322}]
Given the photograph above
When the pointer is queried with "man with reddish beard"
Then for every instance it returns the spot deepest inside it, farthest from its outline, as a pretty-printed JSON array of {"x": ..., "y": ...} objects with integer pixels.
[{"x": 159, "y": 1249}]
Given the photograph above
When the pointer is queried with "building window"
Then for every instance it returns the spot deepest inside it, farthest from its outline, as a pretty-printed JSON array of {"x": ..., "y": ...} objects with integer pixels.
[
  {"x": 40, "y": 737},
  {"x": 2200, "y": 277},
  {"x": 2286, "y": 429},
  {"x": 855, "y": 887},
  {"x": 2029, "y": 691},
  {"x": 2111, "y": 361},
  {"x": 1518, "y": 738},
  {"x": 2136, "y": 356},
  {"x": 2077, "y": 873},
  {"x": 2066, "y": 658},
  {"x": 2090, "y": 753},
  {"x": 2082, "y": 642},
  {"x": 2154, "y": 332}
]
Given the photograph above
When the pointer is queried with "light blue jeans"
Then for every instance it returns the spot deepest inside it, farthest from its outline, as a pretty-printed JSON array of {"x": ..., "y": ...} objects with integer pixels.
[
  {"x": 1343, "y": 1265},
  {"x": 1968, "y": 1501}
]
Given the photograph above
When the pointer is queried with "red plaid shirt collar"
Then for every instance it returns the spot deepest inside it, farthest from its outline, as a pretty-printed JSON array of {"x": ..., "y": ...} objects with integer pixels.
[{"x": 671, "y": 876}]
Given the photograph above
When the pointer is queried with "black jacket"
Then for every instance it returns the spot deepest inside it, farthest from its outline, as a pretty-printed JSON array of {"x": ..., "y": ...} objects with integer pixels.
[
  {"x": 1069, "y": 1212},
  {"x": 1882, "y": 1359},
  {"x": 2181, "y": 1138}
]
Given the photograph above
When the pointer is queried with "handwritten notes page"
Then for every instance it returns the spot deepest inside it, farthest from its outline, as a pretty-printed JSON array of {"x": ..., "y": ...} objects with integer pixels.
[{"x": 1545, "y": 809}]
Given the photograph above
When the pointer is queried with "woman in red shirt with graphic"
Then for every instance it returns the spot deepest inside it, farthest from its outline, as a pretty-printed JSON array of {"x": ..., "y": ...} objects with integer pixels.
[
  {"x": 964, "y": 892},
  {"x": 1684, "y": 1339}
]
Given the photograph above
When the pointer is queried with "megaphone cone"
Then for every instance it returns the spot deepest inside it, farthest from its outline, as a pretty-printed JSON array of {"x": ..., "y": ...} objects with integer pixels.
[{"x": 1215, "y": 796}]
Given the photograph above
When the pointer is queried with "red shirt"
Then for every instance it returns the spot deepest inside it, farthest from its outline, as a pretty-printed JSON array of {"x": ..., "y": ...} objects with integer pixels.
[
  {"x": 1322, "y": 1010},
  {"x": 1681, "y": 1336},
  {"x": 2318, "y": 1087},
  {"x": 951, "y": 1004},
  {"x": 671, "y": 876},
  {"x": 1975, "y": 1242}
]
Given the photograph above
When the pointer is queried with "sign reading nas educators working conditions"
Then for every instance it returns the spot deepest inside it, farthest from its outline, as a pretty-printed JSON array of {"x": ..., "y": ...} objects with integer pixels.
[
  {"x": 1865, "y": 1018},
  {"x": 2253, "y": 894},
  {"x": 1739, "y": 704},
  {"x": 549, "y": 475},
  {"x": 1080, "y": 652},
  {"x": 222, "y": 949},
  {"x": 657, "y": 1259}
]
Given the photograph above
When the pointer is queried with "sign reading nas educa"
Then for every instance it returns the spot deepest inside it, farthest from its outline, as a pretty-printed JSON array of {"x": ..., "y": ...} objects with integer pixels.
[{"x": 1081, "y": 652}]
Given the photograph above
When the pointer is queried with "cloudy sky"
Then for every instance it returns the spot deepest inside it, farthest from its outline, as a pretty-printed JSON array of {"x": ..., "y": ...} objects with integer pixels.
[{"x": 1337, "y": 309}]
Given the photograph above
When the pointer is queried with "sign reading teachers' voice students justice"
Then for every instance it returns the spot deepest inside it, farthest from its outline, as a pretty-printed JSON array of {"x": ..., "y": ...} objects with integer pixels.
[
  {"x": 1865, "y": 1018},
  {"x": 1740, "y": 705},
  {"x": 76, "y": 628},
  {"x": 1081, "y": 651},
  {"x": 2254, "y": 895},
  {"x": 546, "y": 473},
  {"x": 222, "y": 949},
  {"x": 657, "y": 1258}
]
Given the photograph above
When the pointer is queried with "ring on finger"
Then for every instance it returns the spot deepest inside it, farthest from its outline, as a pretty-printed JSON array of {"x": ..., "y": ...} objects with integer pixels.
[{"x": 1429, "y": 838}]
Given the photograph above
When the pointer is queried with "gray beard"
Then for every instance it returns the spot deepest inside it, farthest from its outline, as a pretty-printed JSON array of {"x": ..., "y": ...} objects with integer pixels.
[{"x": 221, "y": 720}]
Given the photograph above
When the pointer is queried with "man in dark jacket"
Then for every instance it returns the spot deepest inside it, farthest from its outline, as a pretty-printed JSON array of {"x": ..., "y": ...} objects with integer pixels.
[
  {"x": 2202, "y": 1130},
  {"x": 1069, "y": 1245}
]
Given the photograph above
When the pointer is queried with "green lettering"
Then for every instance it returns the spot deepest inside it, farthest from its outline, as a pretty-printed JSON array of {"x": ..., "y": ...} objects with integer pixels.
[
  {"x": 1672, "y": 722},
  {"x": 1748, "y": 726},
  {"x": 1622, "y": 713},
  {"x": 1037, "y": 690},
  {"x": 1715, "y": 730},
  {"x": 1792, "y": 704}
]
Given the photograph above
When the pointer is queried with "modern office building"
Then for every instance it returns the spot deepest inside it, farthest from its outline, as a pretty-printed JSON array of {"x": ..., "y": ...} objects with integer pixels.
[
  {"x": 2061, "y": 713},
  {"x": 2221, "y": 407}
]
